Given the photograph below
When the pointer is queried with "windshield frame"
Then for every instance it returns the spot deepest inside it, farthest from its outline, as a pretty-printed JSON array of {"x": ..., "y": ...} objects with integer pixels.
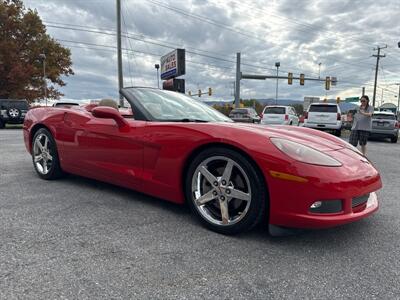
[{"x": 142, "y": 113}]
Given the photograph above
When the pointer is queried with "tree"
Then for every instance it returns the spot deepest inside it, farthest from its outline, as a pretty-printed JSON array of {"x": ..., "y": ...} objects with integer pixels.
[{"x": 23, "y": 39}]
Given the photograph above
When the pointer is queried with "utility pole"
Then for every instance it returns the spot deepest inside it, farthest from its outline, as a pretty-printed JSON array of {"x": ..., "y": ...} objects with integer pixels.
[
  {"x": 120, "y": 77},
  {"x": 363, "y": 91},
  {"x": 237, "y": 84},
  {"x": 378, "y": 56}
]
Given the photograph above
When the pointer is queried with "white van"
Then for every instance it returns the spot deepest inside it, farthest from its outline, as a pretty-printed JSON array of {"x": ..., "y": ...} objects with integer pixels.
[
  {"x": 324, "y": 116},
  {"x": 283, "y": 115}
]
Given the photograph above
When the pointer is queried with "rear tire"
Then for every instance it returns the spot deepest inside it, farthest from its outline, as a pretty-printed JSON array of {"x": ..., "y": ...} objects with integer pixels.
[
  {"x": 2, "y": 124},
  {"x": 394, "y": 139},
  {"x": 45, "y": 155},
  {"x": 225, "y": 191},
  {"x": 338, "y": 133}
]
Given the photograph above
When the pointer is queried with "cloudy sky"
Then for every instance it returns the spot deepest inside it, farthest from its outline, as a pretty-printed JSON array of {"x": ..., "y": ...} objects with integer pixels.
[{"x": 338, "y": 35}]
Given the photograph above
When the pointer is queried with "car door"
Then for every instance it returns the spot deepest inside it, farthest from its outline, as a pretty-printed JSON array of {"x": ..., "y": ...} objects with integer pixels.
[{"x": 100, "y": 150}]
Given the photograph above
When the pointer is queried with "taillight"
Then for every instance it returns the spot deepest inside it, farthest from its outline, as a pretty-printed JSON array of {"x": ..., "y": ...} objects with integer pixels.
[
  {"x": 397, "y": 125},
  {"x": 286, "y": 117},
  {"x": 306, "y": 115},
  {"x": 338, "y": 117}
]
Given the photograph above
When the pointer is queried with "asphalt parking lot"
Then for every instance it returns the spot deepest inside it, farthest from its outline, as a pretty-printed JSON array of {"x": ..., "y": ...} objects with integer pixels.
[{"x": 77, "y": 238}]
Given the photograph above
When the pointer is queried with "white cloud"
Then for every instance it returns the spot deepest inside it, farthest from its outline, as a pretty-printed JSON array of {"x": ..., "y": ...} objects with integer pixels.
[{"x": 300, "y": 34}]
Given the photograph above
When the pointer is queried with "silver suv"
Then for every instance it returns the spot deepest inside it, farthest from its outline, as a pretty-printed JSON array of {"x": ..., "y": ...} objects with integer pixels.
[
  {"x": 324, "y": 116},
  {"x": 385, "y": 125}
]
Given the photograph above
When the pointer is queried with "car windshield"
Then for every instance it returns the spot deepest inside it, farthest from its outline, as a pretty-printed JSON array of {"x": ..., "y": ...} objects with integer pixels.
[
  {"x": 384, "y": 117},
  {"x": 323, "y": 108},
  {"x": 274, "y": 110},
  {"x": 172, "y": 106}
]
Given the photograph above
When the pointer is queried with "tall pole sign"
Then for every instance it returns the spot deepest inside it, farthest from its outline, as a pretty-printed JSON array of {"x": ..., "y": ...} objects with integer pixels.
[{"x": 172, "y": 65}]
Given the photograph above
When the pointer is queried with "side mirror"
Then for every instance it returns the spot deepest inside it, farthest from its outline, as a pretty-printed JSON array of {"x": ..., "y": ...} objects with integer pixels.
[{"x": 105, "y": 112}]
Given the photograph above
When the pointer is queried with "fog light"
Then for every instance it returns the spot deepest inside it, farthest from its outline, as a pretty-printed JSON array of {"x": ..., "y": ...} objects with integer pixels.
[
  {"x": 326, "y": 206},
  {"x": 316, "y": 204}
]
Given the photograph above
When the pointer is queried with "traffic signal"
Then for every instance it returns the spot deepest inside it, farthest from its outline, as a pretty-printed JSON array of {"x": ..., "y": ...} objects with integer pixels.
[
  {"x": 301, "y": 79},
  {"x": 327, "y": 83},
  {"x": 290, "y": 78},
  {"x": 338, "y": 100},
  {"x": 199, "y": 94},
  {"x": 209, "y": 91}
]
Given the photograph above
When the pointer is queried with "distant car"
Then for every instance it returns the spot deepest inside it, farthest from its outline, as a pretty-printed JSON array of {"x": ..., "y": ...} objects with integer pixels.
[
  {"x": 324, "y": 116},
  {"x": 12, "y": 111},
  {"x": 385, "y": 125},
  {"x": 247, "y": 114},
  {"x": 279, "y": 115}
]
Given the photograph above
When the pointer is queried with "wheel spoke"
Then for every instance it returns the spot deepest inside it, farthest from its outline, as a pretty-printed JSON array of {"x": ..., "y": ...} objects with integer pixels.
[
  {"x": 39, "y": 144},
  {"x": 240, "y": 195},
  {"x": 46, "y": 141},
  {"x": 38, "y": 158},
  {"x": 210, "y": 177},
  {"x": 205, "y": 198},
  {"x": 224, "y": 211},
  {"x": 45, "y": 169},
  {"x": 226, "y": 176},
  {"x": 49, "y": 157}
]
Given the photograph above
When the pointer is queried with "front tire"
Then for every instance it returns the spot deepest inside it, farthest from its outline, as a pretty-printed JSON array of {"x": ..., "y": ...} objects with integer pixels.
[
  {"x": 45, "y": 155},
  {"x": 225, "y": 191},
  {"x": 2, "y": 124},
  {"x": 393, "y": 139},
  {"x": 338, "y": 133}
]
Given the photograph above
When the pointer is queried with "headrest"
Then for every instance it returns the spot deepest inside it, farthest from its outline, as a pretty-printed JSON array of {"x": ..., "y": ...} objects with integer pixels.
[{"x": 109, "y": 103}]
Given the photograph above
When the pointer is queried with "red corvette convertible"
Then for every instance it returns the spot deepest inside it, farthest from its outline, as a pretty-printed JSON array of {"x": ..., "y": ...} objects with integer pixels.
[{"x": 232, "y": 175}]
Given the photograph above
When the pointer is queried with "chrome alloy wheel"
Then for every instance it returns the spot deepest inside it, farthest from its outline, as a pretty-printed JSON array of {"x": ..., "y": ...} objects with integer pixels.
[
  {"x": 13, "y": 112},
  {"x": 41, "y": 154},
  {"x": 221, "y": 190}
]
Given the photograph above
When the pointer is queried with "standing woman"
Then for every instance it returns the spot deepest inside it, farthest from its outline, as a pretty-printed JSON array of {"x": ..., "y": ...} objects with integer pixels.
[{"x": 362, "y": 125}]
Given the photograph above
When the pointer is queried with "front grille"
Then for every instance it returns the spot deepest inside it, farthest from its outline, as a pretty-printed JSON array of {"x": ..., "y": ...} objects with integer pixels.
[{"x": 359, "y": 200}]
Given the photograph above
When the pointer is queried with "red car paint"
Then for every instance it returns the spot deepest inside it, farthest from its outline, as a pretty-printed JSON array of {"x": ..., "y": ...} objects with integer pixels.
[{"x": 152, "y": 158}]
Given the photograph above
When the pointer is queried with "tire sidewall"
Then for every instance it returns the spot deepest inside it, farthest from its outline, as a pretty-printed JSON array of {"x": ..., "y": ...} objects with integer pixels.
[
  {"x": 258, "y": 202},
  {"x": 55, "y": 170}
]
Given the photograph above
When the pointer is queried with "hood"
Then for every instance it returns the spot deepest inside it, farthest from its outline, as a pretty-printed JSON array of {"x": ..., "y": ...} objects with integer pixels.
[{"x": 310, "y": 137}]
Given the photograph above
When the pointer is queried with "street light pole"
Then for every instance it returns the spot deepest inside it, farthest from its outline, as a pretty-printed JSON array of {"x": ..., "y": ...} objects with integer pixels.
[
  {"x": 157, "y": 66},
  {"x": 398, "y": 98},
  {"x": 319, "y": 70},
  {"x": 43, "y": 57},
  {"x": 277, "y": 65}
]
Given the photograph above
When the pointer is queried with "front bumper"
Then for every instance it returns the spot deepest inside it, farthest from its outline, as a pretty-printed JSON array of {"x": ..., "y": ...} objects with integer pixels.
[
  {"x": 385, "y": 133},
  {"x": 290, "y": 201}
]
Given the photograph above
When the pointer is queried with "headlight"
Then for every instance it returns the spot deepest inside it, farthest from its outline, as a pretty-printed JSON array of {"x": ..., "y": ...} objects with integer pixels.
[{"x": 304, "y": 153}]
